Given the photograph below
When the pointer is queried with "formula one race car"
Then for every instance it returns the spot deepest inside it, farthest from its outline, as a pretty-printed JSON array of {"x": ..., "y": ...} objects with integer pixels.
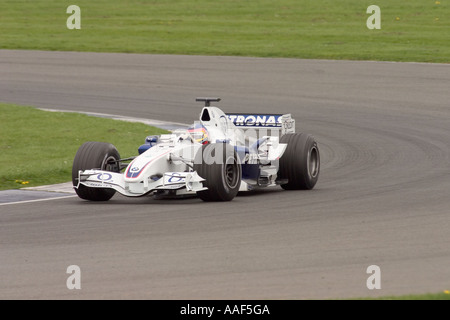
[{"x": 215, "y": 158}]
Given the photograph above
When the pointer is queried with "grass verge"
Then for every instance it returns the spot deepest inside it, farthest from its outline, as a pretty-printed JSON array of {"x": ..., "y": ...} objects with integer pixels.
[
  {"x": 37, "y": 147},
  {"x": 445, "y": 295},
  {"x": 414, "y": 30}
]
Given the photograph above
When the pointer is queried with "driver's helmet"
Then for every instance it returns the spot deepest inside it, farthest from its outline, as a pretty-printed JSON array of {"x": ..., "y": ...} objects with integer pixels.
[{"x": 198, "y": 133}]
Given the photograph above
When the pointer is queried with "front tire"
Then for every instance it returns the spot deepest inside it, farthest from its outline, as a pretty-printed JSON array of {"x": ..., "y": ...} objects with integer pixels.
[
  {"x": 300, "y": 163},
  {"x": 219, "y": 165},
  {"x": 95, "y": 155}
]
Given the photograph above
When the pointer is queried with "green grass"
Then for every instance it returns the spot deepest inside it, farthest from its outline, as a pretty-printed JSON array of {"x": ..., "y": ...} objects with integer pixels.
[
  {"x": 413, "y": 30},
  {"x": 38, "y": 146},
  {"x": 429, "y": 296}
]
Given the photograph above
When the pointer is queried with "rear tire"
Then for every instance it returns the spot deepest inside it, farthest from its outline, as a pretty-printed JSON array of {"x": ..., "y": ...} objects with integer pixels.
[
  {"x": 300, "y": 163},
  {"x": 219, "y": 165},
  {"x": 95, "y": 155}
]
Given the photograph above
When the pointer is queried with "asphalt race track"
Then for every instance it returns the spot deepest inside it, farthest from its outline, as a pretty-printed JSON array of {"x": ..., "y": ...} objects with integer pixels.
[{"x": 382, "y": 197}]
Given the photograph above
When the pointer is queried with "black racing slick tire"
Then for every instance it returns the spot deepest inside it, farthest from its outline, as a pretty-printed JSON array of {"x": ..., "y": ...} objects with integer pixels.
[
  {"x": 95, "y": 155},
  {"x": 219, "y": 165},
  {"x": 300, "y": 163}
]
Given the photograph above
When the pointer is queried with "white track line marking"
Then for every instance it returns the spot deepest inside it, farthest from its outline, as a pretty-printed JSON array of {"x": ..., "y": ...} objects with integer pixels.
[
  {"x": 37, "y": 200},
  {"x": 150, "y": 122}
]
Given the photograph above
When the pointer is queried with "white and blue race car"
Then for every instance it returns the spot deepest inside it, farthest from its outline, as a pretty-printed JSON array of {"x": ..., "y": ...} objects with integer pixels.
[{"x": 215, "y": 158}]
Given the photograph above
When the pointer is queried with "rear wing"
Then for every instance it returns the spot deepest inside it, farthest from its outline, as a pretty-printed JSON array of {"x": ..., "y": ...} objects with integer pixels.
[{"x": 273, "y": 122}]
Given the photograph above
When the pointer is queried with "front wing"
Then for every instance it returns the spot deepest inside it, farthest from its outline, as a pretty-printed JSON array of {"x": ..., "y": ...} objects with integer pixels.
[{"x": 190, "y": 181}]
